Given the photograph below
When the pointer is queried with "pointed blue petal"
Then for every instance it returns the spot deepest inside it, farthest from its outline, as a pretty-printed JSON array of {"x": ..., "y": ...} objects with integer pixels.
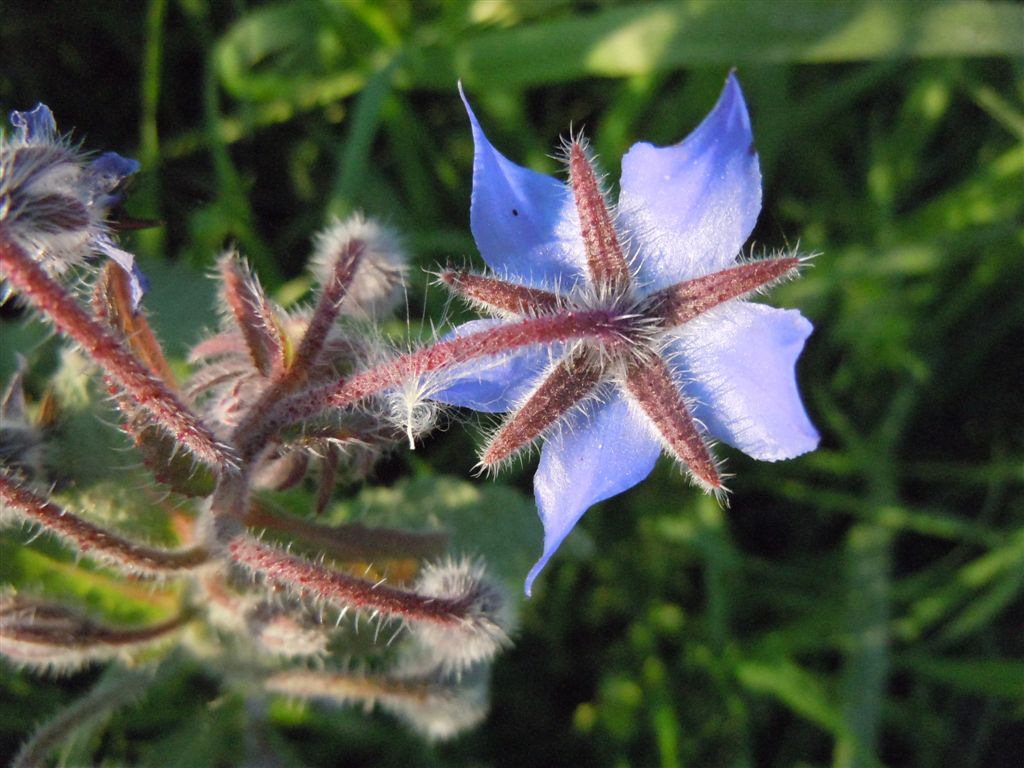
[
  {"x": 494, "y": 384},
  {"x": 738, "y": 363},
  {"x": 601, "y": 451},
  {"x": 689, "y": 208},
  {"x": 36, "y": 125},
  {"x": 525, "y": 223}
]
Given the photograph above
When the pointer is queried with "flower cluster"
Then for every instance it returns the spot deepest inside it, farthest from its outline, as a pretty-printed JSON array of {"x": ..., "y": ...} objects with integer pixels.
[{"x": 617, "y": 332}]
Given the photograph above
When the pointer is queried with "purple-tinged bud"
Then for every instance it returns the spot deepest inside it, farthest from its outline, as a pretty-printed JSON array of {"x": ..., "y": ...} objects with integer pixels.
[{"x": 54, "y": 200}]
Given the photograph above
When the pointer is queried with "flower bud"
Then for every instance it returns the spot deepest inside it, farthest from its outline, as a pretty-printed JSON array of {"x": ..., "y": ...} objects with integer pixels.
[
  {"x": 376, "y": 287},
  {"x": 480, "y": 634},
  {"x": 54, "y": 201}
]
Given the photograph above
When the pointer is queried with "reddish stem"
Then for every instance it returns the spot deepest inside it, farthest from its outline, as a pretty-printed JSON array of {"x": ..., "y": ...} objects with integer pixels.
[
  {"x": 605, "y": 260},
  {"x": 500, "y": 295},
  {"x": 501, "y": 339},
  {"x": 344, "y": 591},
  {"x": 110, "y": 352},
  {"x": 287, "y": 379},
  {"x": 89, "y": 538},
  {"x": 353, "y": 541},
  {"x": 651, "y": 384},
  {"x": 58, "y": 626},
  {"x": 566, "y": 385},
  {"x": 253, "y": 314},
  {"x": 326, "y": 312}
]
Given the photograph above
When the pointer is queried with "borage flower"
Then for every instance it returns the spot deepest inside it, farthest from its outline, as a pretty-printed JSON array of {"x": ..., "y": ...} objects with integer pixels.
[
  {"x": 54, "y": 199},
  {"x": 689, "y": 361}
]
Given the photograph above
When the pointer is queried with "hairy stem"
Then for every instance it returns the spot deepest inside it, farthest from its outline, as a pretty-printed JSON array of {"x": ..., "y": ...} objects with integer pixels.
[
  {"x": 353, "y": 541},
  {"x": 566, "y": 385},
  {"x": 109, "y": 351},
  {"x": 259, "y": 427},
  {"x": 351, "y": 688},
  {"x": 654, "y": 390},
  {"x": 326, "y": 312},
  {"x": 253, "y": 315},
  {"x": 605, "y": 260},
  {"x": 342, "y": 591},
  {"x": 287, "y": 379},
  {"x": 498, "y": 295},
  {"x": 57, "y": 638},
  {"x": 684, "y": 301},
  {"x": 90, "y": 539},
  {"x": 107, "y": 696}
]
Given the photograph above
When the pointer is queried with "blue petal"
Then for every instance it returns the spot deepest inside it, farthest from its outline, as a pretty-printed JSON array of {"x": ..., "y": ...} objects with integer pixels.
[
  {"x": 36, "y": 125},
  {"x": 600, "y": 452},
  {"x": 738, "y": 363},
  {"x": 690, "y": 207},
  {"x": 105, "y": 175},
  {"x": 525, "y": 223},
  {"x": 498, "y": 383}
]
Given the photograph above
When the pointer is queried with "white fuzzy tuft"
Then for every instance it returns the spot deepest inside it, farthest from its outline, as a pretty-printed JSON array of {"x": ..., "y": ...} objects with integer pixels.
[
  {"x": 451, "y": 705},
  {"x": 483, "y": 630},
  {"x": 376, "y": 287}
]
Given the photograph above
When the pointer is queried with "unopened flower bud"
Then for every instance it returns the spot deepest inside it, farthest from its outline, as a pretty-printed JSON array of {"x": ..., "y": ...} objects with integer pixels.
[
  {"x": 376, "y": 287},
  {"x": 481, "y": 633}
]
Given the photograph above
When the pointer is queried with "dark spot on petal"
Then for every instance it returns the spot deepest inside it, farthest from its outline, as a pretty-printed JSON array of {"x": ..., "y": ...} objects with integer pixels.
[
  {"x": 515, "y": 211},
  {"x": 751, "y": 150}
]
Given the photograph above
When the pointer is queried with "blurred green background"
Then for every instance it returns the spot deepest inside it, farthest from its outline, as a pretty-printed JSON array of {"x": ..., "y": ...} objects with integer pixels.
[{"x": 860, "y": 606}]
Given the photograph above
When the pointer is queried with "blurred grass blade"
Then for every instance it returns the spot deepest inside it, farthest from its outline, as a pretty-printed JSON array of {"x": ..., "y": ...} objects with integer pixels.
[
  {"x": 798, "y": 689},
  {"x": 364, "y": 123},
  {"x": 643, "y": 38},
  {"x": 983, "y": 677},
  {"x": 869, "y": 562}
]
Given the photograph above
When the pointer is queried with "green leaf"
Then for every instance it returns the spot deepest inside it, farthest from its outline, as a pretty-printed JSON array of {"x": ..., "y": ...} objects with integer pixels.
[
  {"x": 643, "y": 38},
  {"x": 486, "y": 519},
  {"x": 294, "y": 52},
  {"x": 102, "y": 595},
  {"x": 796, "y": 688}
]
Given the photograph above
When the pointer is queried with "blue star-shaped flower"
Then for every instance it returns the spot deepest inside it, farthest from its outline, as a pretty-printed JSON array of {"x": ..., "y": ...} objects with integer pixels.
[{"x": 691, "y": 360}]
